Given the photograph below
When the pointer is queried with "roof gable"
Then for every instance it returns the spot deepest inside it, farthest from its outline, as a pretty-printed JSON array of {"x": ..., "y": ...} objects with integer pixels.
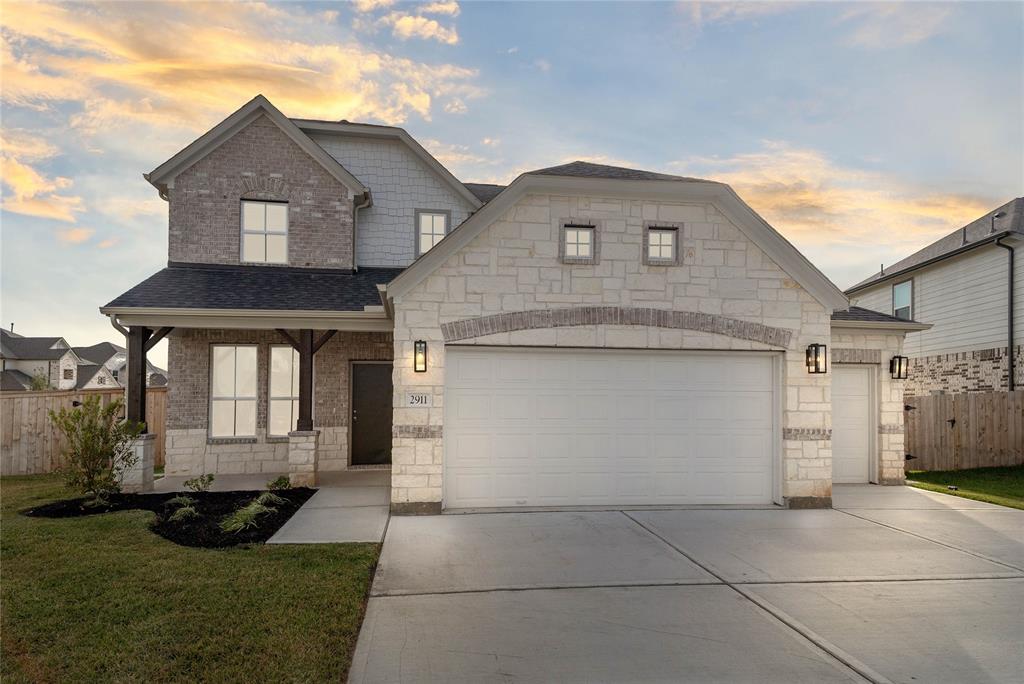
[
  {"x": 364, "y": 130},
  {"x": 32, "y": 348},
  {"x": 725, "y": 199},
  {"x": 162, "y": 177}
]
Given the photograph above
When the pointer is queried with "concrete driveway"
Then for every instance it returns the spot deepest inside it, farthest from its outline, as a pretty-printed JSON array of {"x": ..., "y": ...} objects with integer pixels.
[{"x": 893, "y": 585}]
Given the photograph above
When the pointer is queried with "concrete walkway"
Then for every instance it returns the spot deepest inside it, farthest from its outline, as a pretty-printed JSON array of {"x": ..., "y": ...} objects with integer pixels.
[
  {"x": 349, "y": 506},
  {"x": 895, "y": 584}
]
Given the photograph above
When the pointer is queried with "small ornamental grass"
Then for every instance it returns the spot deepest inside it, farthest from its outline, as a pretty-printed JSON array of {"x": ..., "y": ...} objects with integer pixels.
[
  {"x": 279, "y": 483},
  {"x": 187, "y": 512},
  {"x": 245, "y": 517},
  {"x": 200, "y": 484}
]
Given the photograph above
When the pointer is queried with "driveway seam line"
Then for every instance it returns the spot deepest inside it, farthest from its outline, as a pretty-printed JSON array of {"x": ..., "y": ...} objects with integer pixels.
[
  {"x": 934, "y": 541},
  {"x": 830, "y": 649}
]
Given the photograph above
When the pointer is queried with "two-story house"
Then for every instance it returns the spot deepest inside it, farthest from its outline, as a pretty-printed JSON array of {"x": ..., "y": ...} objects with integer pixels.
[
  {"x": 114, "y": 358},
  {"x": 970, "y": 286},
  {"x": 41, "y": 363},
  {"x": 335, "y": 298}
]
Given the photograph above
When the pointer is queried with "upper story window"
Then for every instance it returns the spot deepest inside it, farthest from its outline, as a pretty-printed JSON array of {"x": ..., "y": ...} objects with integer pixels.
[
  {"x": 431, "y": 227},
  {"x": 265, "y": 232},
  {"x": 661, "y": 244},
  {"x": 233, "y": 391},
  {"x": 578, "y": 243},
  {"x": 69, "y": 373},
  {"x": 903, "y": 300}
]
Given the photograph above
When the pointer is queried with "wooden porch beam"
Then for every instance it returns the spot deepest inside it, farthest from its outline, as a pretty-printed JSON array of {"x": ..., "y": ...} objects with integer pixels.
[
  {"x": 305, "y": 348},
  {"x": 157, "y": 336},
  {"x": 291, "y": 340},
  {"x": 135, "y": 388},
  {"x": 323, "y": 340}
]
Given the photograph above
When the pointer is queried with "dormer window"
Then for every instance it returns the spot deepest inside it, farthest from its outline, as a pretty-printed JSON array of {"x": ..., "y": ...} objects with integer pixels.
[
  {"x": 265, "y": 232},
  {"x": 431, "y": 227}
]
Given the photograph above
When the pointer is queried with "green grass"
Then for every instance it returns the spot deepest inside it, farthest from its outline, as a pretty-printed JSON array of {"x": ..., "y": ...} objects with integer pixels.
[
  {"x": 1003, "y": 486},
  {"x": 102, "y": 598}
]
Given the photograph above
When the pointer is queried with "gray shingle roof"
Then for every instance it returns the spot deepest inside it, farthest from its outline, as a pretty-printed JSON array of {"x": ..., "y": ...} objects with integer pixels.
[
  {"x": 99, "y": 353},
  {"x": 860, "y": 314},
  {"x": 590, "y": 170},
  {"x": 14, "y": 380},
  {"x": 18, "y": 347},
  {"x": 484, "y": 192},
  {"x": 977, "y": 231},
  {"x": 202, "y": 286},
  {"x": 86, "y": 372}
]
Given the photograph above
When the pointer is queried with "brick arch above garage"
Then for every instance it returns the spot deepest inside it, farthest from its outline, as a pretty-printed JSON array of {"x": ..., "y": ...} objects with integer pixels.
[{"x": 480, "y": 326}]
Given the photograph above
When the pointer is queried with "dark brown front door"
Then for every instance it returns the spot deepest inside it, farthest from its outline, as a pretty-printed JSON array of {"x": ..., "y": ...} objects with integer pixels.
[{"x": 371, "y": 413}]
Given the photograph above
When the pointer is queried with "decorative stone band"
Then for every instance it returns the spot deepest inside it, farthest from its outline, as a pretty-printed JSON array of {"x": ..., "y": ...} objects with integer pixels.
[
  {"x": 841, "y": 355},
  {"x": 417, "y": 431},
  {"x": 806, "y": 434},
  {"x": 615, "y": 315},
  {"x": 273, "y": 186},
  {"x": 890, "y": 429}
]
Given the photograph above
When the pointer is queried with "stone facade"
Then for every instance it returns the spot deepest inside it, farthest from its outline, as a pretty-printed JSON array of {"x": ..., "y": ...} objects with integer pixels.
[
  {"x": 303, "y": 458},
  {"x": 984, "y": 370},
  {"x": 875, "y": 348},
  {"x": 512, "y": 270},
  {"x": 260, "y": 162},
  {"x": 190, "y": 451},
  {"x": 401, "y": 184}
]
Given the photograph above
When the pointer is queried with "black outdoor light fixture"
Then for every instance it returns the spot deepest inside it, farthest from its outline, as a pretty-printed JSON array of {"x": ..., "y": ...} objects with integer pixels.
[
  {"x": 898, "y": 367},
  {"x": 419, "y": 356},
  {"x": 817, "y": 361}
]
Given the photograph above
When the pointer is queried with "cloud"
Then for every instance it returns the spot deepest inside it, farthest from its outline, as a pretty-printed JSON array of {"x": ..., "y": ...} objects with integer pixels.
[
  {"x": 75, "y": 236},
  {"x": 455, "y": 106},
  {"x": 28, "y": 190},
  {"x": 512, "y": 50},
  {"x": 120, "y": 71},
  {"x": 884, "y": 26},
  {"x": 449, "y": 154},
  {"x": 108, "y": 243},
  {"x": 816, "y": 201},
  {"x": 490, "y": 142},
  {"x": 450, "y": 8},
  {"x": 406, "y": 26},
  {"x": 704, "y": 13},
  {"x": 542, "y": 65},
  {"x": 370, "y": 5}
]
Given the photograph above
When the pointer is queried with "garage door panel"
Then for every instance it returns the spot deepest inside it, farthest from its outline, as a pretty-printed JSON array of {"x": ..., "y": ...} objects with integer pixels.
[{"x": 618, "y": 428}]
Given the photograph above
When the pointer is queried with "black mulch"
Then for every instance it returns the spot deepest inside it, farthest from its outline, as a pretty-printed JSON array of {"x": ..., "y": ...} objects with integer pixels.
[{"x": 203, "y": 531}]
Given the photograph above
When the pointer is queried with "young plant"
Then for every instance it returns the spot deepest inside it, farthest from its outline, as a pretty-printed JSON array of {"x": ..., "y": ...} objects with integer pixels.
[
  {"x": 245, "y": 517},
  {"x": 279, "y": 483},
  {"x": 270, "y": 499},
  {"x": 99, "y": 446},
  {"x": 201, "y": 483},
  {"x": 184, "y": 513},
  {"x": 39, "y": 382},
  {"x": 181, "y": 500}
]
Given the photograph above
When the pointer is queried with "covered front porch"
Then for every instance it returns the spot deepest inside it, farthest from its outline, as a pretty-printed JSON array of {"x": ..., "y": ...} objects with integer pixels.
[{"x": 301, "y": 388}]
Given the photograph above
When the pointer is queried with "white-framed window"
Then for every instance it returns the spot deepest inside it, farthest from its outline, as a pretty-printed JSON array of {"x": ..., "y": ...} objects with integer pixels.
[
  {"x": 579, "y": 242},
  {"x": 233, "y": 390},
  {"x": 661, "y": 244},
  {"x": 101, "y": 380},
  {"x": 264, "y": 232},
  {"x": 903, "y": 300},
  {"x": 431, "y": 227},
  {"x": 283, "y": 390},
  {"x": 69, "y": 373}
]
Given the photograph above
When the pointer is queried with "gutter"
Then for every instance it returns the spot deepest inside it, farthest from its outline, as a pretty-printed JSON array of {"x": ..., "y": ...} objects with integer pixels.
[
  {"x": 1009, "y": 312},
  {"x": 882, "y": 325},
  {"x": 357, "y": 204},
  {"x": 991, "y": 239}
]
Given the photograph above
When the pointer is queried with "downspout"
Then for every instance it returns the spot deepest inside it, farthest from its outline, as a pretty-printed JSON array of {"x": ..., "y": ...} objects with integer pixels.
[
  {"x": 357, "y": 204},
  {"x": 1009, "y": 311}
]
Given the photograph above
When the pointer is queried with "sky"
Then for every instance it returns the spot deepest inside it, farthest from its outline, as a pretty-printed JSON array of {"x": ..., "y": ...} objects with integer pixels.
[{"x": 860, "y": 131}]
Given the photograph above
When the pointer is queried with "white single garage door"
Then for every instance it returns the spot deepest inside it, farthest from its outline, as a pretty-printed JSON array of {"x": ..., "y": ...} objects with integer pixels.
[
  {"x": 852, "y": 411},
  {"x": 527, "y": 427}
]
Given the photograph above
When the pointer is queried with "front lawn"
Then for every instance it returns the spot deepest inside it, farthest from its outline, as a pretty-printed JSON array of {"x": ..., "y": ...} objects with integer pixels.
[
  {"x": 102, "y": 598},
  {"x": 1003, "y": 486}
]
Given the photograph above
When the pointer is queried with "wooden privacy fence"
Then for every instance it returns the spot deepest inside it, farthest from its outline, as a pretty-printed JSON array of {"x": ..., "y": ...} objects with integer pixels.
[
  {"x": 960, "y": 431},
  {"x": 29, "y": 442}
]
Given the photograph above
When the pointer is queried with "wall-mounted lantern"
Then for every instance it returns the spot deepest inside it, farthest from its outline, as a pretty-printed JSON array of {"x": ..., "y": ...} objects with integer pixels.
[
  {"x": 898, "y": 367},
  {"x": 419, "y": 356},
  {"x": 817, "y": 360}
]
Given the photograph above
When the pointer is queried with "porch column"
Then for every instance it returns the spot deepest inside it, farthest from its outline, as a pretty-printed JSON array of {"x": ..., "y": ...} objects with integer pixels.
[
  {"x": 304, "y": 441},
  {"x": 135, "y": 387},
  {"x": 305, "y": 419}
]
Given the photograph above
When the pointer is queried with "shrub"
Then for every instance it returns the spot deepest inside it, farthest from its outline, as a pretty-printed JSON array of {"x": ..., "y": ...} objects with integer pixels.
[
  {"x": 99, "y": 446},
  {"x": 245, "y": 517},
  {"x": 181, "y": 500},
  {"x": 39, "y": 382},
  {"x": 270, "y": 499},
  {"x": 278, "y": 483},
  {"x": 184, "y": 513},
  {"x": 201, "y": 483}
]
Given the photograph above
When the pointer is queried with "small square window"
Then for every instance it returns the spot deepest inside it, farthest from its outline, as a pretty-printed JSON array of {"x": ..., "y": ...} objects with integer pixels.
[
  {"x": 579, "y": 243},
  {"x": 264, "y": 232},
  {"x": 661, "y": 244},
  {"x": 69, "y": 373},
  {"x": 431, "y": 227}
]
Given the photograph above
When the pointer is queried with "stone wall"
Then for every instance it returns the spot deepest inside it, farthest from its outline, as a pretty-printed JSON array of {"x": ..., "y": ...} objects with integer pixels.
[
  {"x": 259, "y": 162},
  {"x": 984, "y": 370},
  {"x": 876, "y": 348},
  {"x": 190, "y": 450},
  {"x": 401, "y": 184},
  {"x": 513, "y": 267}
]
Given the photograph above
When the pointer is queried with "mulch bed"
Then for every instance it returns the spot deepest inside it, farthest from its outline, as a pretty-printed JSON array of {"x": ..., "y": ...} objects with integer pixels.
[{"x": 203, "y": 531}]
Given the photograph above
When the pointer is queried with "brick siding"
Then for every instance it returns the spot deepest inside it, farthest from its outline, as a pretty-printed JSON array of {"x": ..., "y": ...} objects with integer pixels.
[{"x": 984, "y": 370}]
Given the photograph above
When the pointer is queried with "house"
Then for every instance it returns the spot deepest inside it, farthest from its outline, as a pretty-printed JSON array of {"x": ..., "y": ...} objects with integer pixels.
[
  {"x": 334, "y": 298},
  {"x": 37, "y": 363},
  {"x": 970, "y": 286},
  {"x": 114, "y": 358}
]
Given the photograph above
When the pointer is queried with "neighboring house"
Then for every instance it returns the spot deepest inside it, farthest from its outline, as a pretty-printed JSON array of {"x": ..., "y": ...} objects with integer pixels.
[
  {"x": 114, "y": 358},
  {"x": 335, "y": 298},
  {"x": 970, "y": 286},
  {"x": 46, "y": 363}
]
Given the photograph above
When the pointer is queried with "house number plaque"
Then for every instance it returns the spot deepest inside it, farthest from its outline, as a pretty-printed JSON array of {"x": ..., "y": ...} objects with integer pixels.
[{"x": 418, "y": 399}]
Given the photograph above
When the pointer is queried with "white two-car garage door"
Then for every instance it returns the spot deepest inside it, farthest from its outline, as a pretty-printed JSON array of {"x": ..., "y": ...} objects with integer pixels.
[{"x": 529, "y": 427}]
